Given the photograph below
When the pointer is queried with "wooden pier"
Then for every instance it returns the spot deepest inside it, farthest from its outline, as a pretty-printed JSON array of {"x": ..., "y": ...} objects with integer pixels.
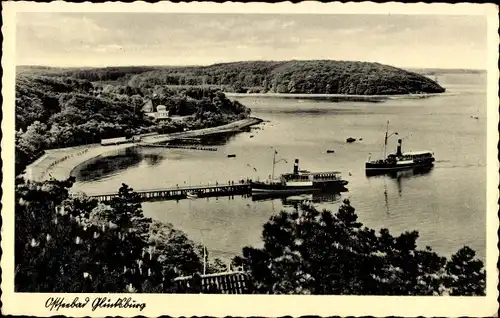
[
  {"x": 177, "y": 193},
  {"x": 188, "y": 147}
]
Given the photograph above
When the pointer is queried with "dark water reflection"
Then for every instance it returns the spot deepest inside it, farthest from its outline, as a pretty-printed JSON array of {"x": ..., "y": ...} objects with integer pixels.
[
  {"x": 114, "y": 163},
  {"x": 289, "y": 200},
  {"x": 218, "y": 140},
  {"x": 398, "y": 178}
]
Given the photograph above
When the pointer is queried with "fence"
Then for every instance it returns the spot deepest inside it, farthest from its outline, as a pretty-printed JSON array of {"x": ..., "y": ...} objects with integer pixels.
[
  {"x": 58, "y": 161},
  {"x": 219, "y": 283}
]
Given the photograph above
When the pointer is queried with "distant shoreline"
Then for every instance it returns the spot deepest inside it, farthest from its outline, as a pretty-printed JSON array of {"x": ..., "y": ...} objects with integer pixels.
[{"x": 338, "y": 97}]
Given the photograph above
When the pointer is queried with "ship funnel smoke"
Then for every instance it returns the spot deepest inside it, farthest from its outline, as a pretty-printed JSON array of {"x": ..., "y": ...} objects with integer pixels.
[
  {"x": 296, "y": 166},
  {"x": 399, "y": 152}
]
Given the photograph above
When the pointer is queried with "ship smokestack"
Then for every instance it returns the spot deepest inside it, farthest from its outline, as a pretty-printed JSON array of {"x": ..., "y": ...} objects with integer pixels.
[
  {"x": 296, "y": 167},
  {"x": 398, "y": 152}
]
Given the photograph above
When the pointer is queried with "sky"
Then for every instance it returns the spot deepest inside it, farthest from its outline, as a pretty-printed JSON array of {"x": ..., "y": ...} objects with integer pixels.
[{"x": 108, "y": 39}]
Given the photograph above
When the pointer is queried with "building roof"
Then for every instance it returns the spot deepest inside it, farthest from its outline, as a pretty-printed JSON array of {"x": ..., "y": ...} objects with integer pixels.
[
  {"x": 413, "y": 153},
  {"x": 148, "y": 106},
  {"x": 421, "y": 152},
  {"x": 115, "y": 139}
]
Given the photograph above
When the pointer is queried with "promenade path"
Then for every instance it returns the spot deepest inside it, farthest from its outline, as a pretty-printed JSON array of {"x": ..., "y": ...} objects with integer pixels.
[
  {"x": 58, "y": 163},
  {"x": 231, "y": 127}
]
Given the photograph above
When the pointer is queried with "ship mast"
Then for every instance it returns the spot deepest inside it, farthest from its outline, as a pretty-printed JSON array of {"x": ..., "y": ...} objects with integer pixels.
[
  {"x": 387, "y": 135},
  {"x": 385, "y": 140},
  {"x": 275, "y": 162}
]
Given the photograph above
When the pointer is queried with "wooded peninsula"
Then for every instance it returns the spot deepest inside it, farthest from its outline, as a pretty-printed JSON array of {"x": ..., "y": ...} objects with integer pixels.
[{"x": 304, "y": 77}]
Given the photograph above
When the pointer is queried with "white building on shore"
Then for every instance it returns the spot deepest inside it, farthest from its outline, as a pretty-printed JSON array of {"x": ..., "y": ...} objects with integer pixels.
[{"x": 160, "y": 113}]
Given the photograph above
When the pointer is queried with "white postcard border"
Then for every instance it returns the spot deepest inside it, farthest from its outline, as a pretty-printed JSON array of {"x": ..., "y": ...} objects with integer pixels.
[{"x": 260, "y": 305}]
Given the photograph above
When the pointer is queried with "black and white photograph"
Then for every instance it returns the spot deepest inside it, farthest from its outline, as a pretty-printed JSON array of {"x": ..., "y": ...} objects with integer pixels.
[{"x": 210, "y": 150}]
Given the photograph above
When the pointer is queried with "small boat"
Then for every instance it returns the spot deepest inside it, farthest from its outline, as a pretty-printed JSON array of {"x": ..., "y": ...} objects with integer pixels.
[
  {"x": 399, "y": 160},
  {"x": 350, "y": 139},
  {"x": 231, "y": 156},
  {"x": 330, "y": 151},
  {"x": 191, "y": 195},
  {"x": 299, "y": 197},
  {"x": 299, "y": 181}
]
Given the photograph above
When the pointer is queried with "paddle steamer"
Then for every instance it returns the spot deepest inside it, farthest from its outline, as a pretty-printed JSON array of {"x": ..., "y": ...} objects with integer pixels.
[
  {"x": 399, "y": 160},
  {"x": 299, "y": 181}
]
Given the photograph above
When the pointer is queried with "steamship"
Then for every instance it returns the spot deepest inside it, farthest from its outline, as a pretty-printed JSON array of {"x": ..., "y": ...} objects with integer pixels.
[
  {"x": 299, "y": 181},
  {"x": 399, "y": 160}
]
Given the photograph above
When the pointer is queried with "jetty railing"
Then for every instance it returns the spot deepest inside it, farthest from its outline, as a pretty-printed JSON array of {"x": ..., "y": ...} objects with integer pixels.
[{"x": 175, "y": 193}]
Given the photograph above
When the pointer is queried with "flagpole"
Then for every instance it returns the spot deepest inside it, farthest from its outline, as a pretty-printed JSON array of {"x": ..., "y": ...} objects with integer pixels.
[
  {"x": 204, "y": 260},
  {"x": 274, "y": 163}
]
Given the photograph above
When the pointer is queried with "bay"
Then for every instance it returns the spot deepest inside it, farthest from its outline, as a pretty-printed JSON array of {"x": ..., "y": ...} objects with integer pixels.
[{"x": 447, "y": 204}]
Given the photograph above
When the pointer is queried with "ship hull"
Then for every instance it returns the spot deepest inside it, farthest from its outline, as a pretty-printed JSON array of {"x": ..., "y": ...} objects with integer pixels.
[
  {"x": 258, "y": 187},
  {"x": 382, "y": 167},
  {"x": 413, "y": 171}
]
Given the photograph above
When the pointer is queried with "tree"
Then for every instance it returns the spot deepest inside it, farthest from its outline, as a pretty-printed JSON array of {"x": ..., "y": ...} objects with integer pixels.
[
  {"x": 129, "y": 217},
  {"x": 176, "y": 251},
  {"x": 216, "y": 266},
  {"x": 466, "y": 274},
  {"x": 311, "y": 252},
  {"x": 34, "y": 139},
  {"x": 42, "y": 230},
  {"x": 99, "y": 248}
]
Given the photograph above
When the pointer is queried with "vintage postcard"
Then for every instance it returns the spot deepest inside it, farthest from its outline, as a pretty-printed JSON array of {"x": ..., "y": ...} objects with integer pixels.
[{"x": 250, "y": 159}]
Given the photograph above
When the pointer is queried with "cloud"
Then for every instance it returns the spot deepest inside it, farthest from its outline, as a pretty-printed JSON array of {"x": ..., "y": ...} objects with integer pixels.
[
  {"x": 107, "y": 47},
  {"x": 151, "y": 38}
]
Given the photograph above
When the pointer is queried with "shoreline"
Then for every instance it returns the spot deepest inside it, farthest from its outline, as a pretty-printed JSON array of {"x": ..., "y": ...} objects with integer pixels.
[
  {"x": 339, "y": 97},
  {"x": 61, "y": 162}
]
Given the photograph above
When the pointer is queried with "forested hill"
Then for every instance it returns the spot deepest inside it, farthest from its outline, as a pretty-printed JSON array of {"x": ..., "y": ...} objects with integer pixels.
[
  {"x": 297, "y": 77},
  {"x": 306, "y": 77},
  {"x": 54, "y": 111}
]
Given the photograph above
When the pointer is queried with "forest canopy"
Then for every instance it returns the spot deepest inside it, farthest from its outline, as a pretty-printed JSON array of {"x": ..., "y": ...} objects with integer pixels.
[
  {"x": 308, "y": 251},
  {"x": 306, "y": 77}
]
